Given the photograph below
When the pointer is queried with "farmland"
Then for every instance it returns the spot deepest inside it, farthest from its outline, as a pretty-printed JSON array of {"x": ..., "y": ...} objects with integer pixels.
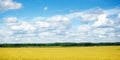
[{"x": 61, "y": 53}]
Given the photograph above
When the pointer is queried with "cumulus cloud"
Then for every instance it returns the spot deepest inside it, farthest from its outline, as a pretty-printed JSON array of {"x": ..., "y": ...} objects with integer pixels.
[
  {"x": 103, "y": 20},
  {"x": 4, "y": 34},
  {"x": 84, "y": 28},
  {"x": 102, "y": 26},
  {"x": 87, "y": 15},
  {"x": 9, "y": 5},
  {"x": 42, "y": 24},
  {"x": 18, "y": 25},
  {"x": 10, "y": 19}
]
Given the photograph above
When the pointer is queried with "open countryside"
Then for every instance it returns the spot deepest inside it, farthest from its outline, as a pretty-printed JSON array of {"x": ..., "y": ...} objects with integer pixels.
[
  {"x": 61, "y": 53},
  {"x": 59, "y": 29}
]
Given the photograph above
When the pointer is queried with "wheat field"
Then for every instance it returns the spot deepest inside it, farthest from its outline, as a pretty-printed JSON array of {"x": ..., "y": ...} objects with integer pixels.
[{"x": 61, "y": 53}]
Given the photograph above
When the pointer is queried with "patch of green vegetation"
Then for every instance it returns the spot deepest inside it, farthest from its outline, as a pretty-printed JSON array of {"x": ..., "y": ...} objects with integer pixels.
[{"x": 60, "y": 44}]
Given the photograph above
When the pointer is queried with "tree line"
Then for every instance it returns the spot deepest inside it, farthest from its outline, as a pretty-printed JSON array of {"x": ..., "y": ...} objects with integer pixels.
[{"x": 60, "y": 44}]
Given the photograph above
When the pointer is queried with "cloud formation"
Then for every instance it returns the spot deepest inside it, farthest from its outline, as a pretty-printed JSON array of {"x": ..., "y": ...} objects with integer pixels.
[
  {"x": 9, "y": 5},
  {"x": 95, "y": 25}
]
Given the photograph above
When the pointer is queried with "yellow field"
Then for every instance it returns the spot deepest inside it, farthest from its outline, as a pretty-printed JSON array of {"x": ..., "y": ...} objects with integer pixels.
[{"x": 61, "y": 53}]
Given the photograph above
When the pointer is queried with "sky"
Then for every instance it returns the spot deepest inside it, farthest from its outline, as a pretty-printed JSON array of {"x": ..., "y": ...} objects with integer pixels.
[{"x": 51, "y": 21}]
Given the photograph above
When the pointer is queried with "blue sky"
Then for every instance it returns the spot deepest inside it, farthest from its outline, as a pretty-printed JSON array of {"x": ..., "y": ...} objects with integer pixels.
[
  {"x": 58, "y": 7},
  {"x": 48, "y": 21}
]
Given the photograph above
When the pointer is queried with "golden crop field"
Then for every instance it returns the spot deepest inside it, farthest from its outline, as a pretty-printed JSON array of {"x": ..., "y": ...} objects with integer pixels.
[{"x": 61, "y": 53}]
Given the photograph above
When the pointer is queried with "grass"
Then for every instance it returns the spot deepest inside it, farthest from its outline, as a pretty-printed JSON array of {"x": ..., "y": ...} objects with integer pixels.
[{"x": 61, "y": 53}]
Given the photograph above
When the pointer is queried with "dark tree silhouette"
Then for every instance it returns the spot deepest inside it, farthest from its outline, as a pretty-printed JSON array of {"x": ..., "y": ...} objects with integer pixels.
[{"x": 68, "y": 44}]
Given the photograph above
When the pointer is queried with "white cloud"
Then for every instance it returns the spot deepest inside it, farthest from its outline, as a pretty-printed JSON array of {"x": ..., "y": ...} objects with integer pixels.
[
  {"x": 9, "y": 5},
  {"x": 58, "y": 24},
  {"x": 100, "y": 27},
  {"x": 58, "y": 18},
  {"x": 39, "y": 18},
  {"x": 119, "y": 16},
  {"x": 87, "y": 15},
  {"x": 24, "y": 26},
  {"x": 112, "y": 11},
  {"x": 44, "y": 34},
  {"x": 11, "y": 19},
  {"x": 84, "y": 28},
  {"x": 17, "y": 25},
  {"x": 103, "y": 21},
  {"x": 5, "y": 33},
  {"x": 42, "y": 24}
]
